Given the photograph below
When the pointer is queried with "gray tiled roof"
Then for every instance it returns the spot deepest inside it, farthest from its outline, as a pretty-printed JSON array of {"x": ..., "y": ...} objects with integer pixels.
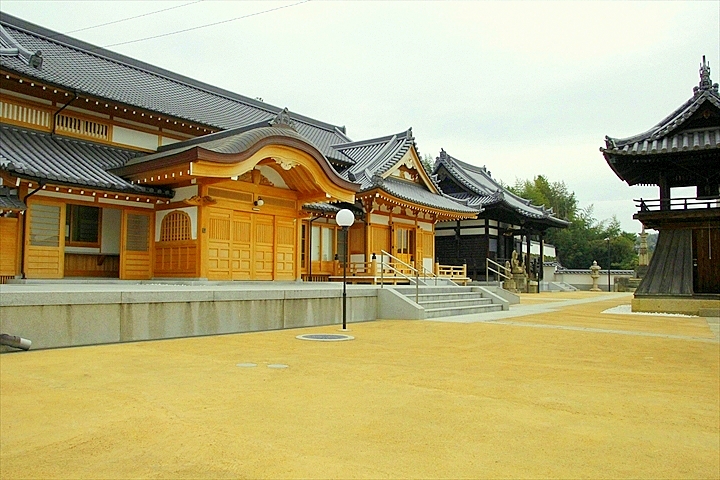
[
  {"x": 374, "y": 157},
  {"x": 332, "y": 208},
  {"x": 417, "y": 194},
  {"x": 228, "y": 141},
  {"x": 669, "y": 135},
  {"x": 10, "y": 201},
  {"x": 41, "y": 156},
  {"x": 94, "y": 71},
  {"x": 480, "y": 190}
]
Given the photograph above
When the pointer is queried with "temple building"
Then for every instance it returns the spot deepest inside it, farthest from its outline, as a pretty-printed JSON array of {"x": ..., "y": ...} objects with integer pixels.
[
  {"x": 112, "y": 167},
  {"x": 682, "y": 150},
  {"x": 505, "y": 220}
]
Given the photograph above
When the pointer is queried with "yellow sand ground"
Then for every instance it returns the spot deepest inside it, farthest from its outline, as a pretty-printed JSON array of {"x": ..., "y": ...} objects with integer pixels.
[{"x": 405, "y": 399}]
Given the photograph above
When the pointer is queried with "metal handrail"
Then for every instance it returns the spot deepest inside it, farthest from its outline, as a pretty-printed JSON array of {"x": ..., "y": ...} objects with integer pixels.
[
  {"x": 415, "y": 270},
  {"x": 488, "y": 269},
  {"x": 412, "y": 270}
]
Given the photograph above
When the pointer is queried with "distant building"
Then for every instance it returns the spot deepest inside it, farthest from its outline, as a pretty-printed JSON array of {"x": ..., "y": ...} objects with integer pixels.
[
  {"x": 504, "y": 220},
  {"x": 683, "y": 150}
]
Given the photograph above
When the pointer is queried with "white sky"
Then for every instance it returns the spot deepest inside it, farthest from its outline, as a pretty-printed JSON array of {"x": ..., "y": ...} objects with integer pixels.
[{"x": 525, "y": 88}]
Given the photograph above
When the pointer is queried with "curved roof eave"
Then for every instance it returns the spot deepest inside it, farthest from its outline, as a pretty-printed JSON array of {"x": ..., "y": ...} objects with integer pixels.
[{"x": 234, "y": 146}]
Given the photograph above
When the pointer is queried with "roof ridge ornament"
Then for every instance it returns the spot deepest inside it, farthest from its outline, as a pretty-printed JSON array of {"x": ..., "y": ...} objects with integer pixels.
[
  {"x": 444, "y": 157},
  {"x": 15, "y": 49},
  {"x": 283, "y": 120},
  {"x": 705, "y": 81}
]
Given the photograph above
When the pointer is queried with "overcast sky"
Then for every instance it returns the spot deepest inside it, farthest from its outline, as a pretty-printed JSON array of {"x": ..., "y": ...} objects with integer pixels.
[{"x": 524, "y": 88}]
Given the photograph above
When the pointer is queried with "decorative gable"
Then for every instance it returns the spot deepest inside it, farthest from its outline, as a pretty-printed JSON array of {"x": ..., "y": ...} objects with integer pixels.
[{"x": 409, "y": 168}]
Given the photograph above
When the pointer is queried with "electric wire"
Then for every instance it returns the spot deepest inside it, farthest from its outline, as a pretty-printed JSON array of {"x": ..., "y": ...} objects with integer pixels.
[
  {"x": 131, "y": 18},
  {"x": 206, "y": 25}
]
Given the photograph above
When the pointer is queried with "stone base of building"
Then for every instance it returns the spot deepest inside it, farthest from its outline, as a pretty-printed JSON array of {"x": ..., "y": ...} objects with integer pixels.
[{"x": 680, "y": 304}]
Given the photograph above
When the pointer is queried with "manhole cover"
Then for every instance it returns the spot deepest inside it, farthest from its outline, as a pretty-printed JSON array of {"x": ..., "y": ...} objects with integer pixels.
[{"x": 325, "y": 337}]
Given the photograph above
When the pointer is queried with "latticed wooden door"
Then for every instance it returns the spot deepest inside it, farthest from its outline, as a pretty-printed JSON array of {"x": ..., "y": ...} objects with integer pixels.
[
  {"x": 263, "y": 243},
  {"x": 45, "y": 242},
  {"x": 219, "y": 244},
  {"x": 242, "y": 246},
  {"x": 285, "y": 255},
  {"x": 136, "y": 251}
]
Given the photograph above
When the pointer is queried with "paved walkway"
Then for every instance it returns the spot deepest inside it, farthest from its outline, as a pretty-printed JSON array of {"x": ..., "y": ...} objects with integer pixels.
[{"x": 547, "y": 304}]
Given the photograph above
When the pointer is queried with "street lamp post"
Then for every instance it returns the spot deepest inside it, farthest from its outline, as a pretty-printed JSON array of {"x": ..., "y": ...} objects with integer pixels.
[
  {"x": 345, "y": 219},
  {"x": 608, "y": 262}
]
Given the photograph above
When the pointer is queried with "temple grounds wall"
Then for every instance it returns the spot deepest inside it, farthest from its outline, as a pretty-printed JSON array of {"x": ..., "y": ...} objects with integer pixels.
[{"x": 63, "y": 319}]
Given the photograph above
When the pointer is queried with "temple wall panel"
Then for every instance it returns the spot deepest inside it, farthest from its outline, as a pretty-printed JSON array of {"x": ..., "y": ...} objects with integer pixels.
[
  {"x": 176, "y": 259},
  {"x": 9, "y": 237},
  {"x": 83, "y": 265}
]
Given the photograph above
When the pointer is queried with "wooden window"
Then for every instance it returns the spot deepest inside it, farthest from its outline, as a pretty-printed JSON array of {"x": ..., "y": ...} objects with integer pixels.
[
  {"x": 175, "y": 227},
  {"x": 405, "y": 241},
  {"x": 138, "y": 233},
  {"x": 45, "y": 225},
  {"x": 82, "y": 226},
  {"x": 328, "y": 250},
  {"x": 323, "y": 243}
]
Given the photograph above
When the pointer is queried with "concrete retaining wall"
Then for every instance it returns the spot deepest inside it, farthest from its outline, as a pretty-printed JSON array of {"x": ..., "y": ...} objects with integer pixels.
[{"x": 96, "y": 316}]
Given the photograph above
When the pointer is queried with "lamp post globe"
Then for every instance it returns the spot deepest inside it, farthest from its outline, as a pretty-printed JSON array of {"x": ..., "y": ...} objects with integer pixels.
[{"x": 345, "y": 219}]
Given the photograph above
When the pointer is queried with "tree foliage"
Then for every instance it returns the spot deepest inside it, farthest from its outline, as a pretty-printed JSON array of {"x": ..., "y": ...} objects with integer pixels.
[{"x": 586, "y": 239}]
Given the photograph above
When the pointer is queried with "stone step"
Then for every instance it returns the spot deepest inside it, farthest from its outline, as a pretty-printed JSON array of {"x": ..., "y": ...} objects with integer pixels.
[
  {"x": 429, "y": 297},
  {"x": 453, "y": 311},
  {"x": 467, "y": 302},
  {"x": 408, "y": 291}
]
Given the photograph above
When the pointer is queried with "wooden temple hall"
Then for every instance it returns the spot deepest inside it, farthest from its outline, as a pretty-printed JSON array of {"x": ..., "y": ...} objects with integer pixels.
[
  {"x": 682, "y": 150},
  {"x": 111, "y": 167}
]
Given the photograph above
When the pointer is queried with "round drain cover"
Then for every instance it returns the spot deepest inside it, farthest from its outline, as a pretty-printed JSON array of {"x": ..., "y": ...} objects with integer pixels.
[
  {"x": 325, "y": 337},
  {"x": 277, "y": 365}
]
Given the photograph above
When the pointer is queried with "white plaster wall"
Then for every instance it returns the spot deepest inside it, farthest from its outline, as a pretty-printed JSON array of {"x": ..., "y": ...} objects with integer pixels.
[
  {"x": 428, "y": 264},
  {"x": 379, "y": 219},
  {"x": 134, "y": 138},
  {"x": 110, "y": 231},
  {"x": 425, "y": 226},
  {"x": 184, "y": 193}
]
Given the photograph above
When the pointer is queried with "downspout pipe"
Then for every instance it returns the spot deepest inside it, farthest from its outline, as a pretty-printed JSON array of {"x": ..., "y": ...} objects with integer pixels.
[
  {"x": 55, "y": 115},
  {"x": 25, "y": 228}
]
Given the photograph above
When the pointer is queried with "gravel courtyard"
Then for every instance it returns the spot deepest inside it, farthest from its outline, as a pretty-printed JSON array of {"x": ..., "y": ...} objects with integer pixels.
[{"x": 566, "y": 392}]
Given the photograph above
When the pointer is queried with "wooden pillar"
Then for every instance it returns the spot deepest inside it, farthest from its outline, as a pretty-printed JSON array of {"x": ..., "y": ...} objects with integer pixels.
[
  {"x": 486, "y": 223},
  {"x": 664, "y": 192},
  {"x": 527, "y": 255},
  {"x": 457, "y": 240},
  {"x": 541, "y": 261}
]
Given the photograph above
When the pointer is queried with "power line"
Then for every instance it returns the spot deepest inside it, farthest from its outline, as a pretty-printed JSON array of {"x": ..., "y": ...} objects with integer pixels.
[
  {"x": 131, "y": 18},
  {"x": 206, "y": 25}
]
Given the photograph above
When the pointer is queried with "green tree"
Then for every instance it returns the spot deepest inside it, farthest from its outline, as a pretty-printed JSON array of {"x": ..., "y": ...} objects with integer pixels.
[
  {"x": 428, "y": 162},
  {"x": 585, "y": 238}
]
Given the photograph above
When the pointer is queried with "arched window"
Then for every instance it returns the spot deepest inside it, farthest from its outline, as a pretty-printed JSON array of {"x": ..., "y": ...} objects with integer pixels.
[{"x": 175, "y": 226}]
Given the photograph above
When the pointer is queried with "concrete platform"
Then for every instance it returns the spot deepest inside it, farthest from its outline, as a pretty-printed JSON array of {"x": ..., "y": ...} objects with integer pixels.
[{"x": 74, "y": 313}]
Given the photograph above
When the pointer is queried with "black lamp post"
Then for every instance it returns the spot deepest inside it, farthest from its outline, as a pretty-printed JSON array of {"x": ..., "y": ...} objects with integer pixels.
[
  {"x": 608, "y": 262},
  {"x": 345, "y": 219}
]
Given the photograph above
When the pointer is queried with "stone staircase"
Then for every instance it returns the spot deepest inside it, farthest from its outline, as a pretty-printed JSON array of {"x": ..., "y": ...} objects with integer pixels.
[{"x": 448, "y": 301}]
